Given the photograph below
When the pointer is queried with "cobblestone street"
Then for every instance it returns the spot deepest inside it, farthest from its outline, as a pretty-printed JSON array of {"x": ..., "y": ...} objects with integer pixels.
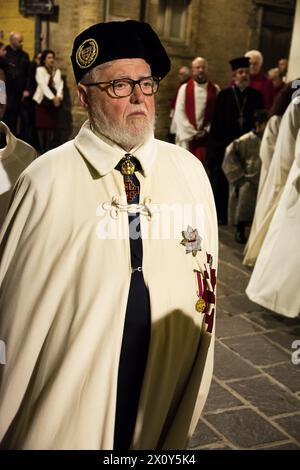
[{"x": 254, "y": 400}]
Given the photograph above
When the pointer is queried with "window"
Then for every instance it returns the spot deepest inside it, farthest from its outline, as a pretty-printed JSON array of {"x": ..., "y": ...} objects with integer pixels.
[{"x": 172, "y": 18}]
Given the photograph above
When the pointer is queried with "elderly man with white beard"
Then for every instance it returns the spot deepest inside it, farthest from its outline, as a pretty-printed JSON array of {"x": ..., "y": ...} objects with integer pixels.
[{"x": 109, "y": 323}]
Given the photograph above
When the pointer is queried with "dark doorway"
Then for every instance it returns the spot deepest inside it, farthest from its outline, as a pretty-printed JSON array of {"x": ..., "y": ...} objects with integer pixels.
[{"x": 276, "y": 34}]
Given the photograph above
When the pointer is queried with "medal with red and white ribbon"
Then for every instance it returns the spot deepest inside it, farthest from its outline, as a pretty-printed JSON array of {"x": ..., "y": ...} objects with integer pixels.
[{"x": 201, "y": 303}]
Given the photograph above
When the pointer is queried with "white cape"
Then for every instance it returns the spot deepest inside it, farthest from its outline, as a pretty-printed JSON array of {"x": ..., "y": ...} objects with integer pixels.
[
  {"x": 267, "y": 148},
  {"x": 65, "y": 275},
  {"x": 275, "y": 280},
  {"x": 14, "y": 158},
  {"x": 277, "y": 175}
]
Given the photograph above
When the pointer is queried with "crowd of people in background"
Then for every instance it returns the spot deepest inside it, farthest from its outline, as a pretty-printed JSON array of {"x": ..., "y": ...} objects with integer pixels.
[
  {"x": 34, "y": 91},
  {"x": 248, "y": 138},
  {"x": 224, "y": 129}
]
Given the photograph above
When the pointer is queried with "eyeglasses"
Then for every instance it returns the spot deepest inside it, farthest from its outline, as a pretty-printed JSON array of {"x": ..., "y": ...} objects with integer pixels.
[{"x": 123, "y": 87}]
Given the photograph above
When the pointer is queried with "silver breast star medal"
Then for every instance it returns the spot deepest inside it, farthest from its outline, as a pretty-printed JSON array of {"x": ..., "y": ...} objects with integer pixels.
[{"x": 191, "y": 240}]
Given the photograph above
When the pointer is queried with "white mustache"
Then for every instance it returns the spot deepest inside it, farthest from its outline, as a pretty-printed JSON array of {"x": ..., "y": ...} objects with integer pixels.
[{"x": 138, "y": 109}]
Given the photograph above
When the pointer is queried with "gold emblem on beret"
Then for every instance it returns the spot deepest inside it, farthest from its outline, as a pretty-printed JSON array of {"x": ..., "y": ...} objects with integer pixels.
[{"x": 87, "y": 53}]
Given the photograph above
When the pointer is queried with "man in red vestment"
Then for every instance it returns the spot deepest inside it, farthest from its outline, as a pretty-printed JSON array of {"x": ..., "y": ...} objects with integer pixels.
[
  {"x": 194, "y": 109},
  {"x": 258, "y": 80}
]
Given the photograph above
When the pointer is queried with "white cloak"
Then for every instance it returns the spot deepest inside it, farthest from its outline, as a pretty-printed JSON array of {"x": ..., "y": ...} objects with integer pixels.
[
  {"x": 267, "y": 148},
  {"x": 64, "y": 290},
  {"x": 14, "y": 158},
  {"x": 277, "y": 175},
  {"x": 275, "y": 280}
]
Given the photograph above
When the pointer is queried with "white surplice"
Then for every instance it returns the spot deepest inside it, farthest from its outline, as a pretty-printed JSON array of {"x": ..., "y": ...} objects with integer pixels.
[
  {"x": 267, "y": 148},
  {"x": 275, "y": 280},
  {"x": 280, "y": 166}
]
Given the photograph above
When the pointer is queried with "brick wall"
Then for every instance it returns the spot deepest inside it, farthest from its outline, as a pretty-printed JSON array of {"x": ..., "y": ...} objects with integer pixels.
[{"x": 11, "y": 20}]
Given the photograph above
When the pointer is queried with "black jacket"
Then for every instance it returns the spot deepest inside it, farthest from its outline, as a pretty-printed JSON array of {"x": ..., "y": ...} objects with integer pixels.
[
  {"x": 225, "y": 124},
  {"x": 17, "y": 70}
]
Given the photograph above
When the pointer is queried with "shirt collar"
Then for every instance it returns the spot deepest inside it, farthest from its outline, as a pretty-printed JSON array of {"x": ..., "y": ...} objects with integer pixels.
[{"x": 104, "y": 155}]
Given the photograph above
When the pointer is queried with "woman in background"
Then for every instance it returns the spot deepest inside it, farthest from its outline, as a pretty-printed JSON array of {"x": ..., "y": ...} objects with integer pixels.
[{"x": 48, "y": 96}]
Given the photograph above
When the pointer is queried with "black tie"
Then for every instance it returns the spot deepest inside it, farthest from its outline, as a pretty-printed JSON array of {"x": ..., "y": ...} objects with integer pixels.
[{"x": 137, "y": 326}]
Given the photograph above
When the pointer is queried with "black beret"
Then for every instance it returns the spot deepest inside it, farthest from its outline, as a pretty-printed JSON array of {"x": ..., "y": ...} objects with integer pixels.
[
  {"x": 240, "y": 63},
  {"x": 114, "y": 40}
]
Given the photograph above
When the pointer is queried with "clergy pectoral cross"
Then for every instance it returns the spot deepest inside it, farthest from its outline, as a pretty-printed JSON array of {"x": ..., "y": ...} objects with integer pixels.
[
  {"x": 131, "y": 189},
  {"x": 241, "y": 121}
]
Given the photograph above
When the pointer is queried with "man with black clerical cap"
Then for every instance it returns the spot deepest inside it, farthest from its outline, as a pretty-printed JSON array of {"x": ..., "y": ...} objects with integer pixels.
[
  {"x": 108, "y": 269},
  {"x": 233, "y": 117}
]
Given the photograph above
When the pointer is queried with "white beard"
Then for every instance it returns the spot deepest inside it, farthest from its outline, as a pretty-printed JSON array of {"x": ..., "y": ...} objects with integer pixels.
[
  {"x": 128, "y": 137},
  {"x": 243, "y": 84}
]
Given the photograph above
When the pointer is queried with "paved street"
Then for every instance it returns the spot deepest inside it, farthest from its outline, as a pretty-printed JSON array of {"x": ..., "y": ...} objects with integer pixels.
[{"x": 254, "y": 401}]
